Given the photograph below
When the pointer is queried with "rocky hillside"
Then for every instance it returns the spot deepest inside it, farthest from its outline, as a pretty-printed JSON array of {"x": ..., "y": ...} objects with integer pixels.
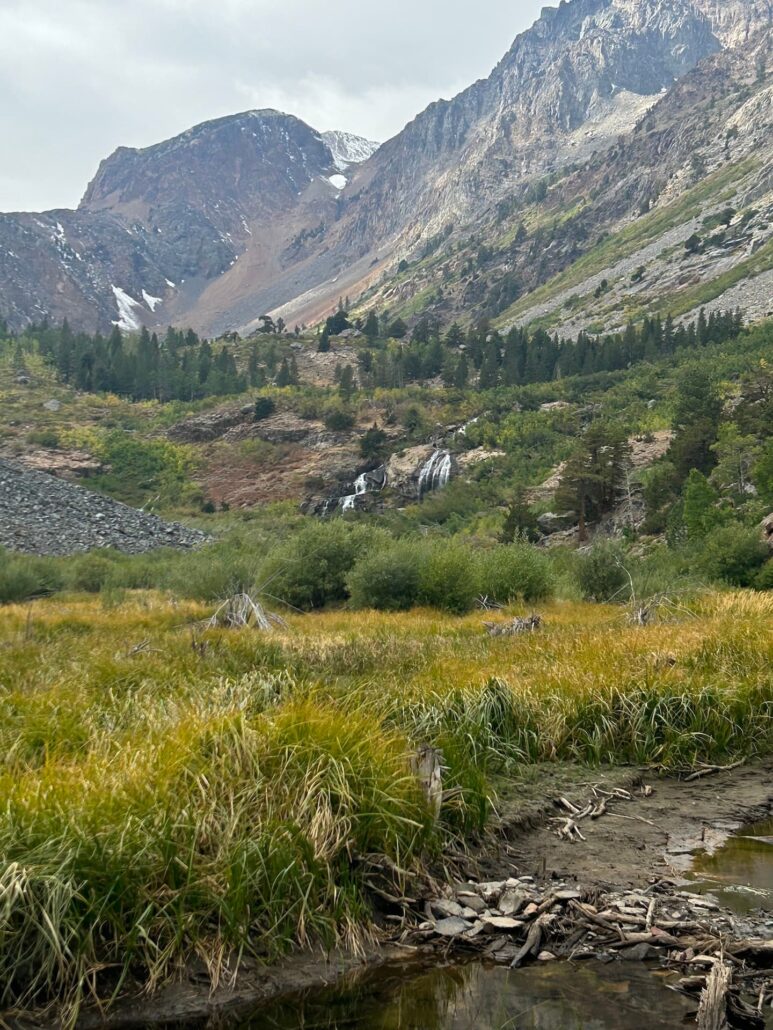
[
  {"x": 259, "y": 213},
  {"x": 40, "y": 514},
  {"x": 675, "y": 215},
  {"x": 157, "y": 228}
]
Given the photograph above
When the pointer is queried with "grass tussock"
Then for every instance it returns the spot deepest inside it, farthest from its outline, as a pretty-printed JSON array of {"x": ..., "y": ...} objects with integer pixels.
[{"x": 163, "y": 801}]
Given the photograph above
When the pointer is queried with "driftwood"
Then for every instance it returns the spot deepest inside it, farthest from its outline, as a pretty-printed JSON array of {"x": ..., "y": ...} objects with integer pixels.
[
  {"x": 241, "y": 611},
  {"x": 516, "y": 921},
  {"x": 595, "y": 808},
  {"x": 709, "y": 770},
  {"x": 514, "y": 628},
  {"x": 427, "y": 766},
  {"x": 712, "y": 1011}
]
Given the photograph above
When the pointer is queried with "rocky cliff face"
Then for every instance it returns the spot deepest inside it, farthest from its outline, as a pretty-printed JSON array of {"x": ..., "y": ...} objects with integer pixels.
[
  {"x": 734, "y": 22},
  {"x": 459, "y": 155},
  {"x": 259, "y": 212}
]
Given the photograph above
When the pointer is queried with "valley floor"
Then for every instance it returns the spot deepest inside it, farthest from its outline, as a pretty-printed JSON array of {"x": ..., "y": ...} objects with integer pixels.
[{"x": 184, "y": 798}]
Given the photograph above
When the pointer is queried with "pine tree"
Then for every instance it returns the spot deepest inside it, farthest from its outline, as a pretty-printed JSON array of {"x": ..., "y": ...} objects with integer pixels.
[
  {"x": 593, "y": 475},
  {"x": 699, "y": 506},
  {"x": 283, "y": 375},
  {"x": 346, "y": 384},
  {"x": 462, "y": 373},
  {"x": 370, "y": 329}
]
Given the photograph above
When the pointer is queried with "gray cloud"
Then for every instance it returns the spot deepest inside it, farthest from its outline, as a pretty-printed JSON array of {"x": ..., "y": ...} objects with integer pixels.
[{"x": 80, "y": 77}]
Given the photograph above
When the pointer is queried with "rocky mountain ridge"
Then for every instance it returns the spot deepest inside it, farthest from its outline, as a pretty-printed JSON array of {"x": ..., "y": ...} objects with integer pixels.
[
  {"x": 156, "y": 226},
  {"x": 259, "y": 213}
]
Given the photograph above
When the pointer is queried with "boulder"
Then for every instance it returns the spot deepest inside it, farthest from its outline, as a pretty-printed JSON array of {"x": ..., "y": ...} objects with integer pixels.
[
  {"x": 552, "y": 522},
  {"x": 512, "y": 901},
  {"x": 444, "y": 908},
  {"x": 766, "y": 531}
]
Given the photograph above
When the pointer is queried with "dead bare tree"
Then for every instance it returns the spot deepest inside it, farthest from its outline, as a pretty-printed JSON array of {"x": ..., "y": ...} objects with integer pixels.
[
  {"x": 241, "y": 611},
  {"x": 511, "y": 629}
]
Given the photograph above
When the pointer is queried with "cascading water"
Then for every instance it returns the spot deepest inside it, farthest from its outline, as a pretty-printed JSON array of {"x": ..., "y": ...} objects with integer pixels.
[
  {"x": 435, "y": 472},
  {"x": 367, "y": 482}
]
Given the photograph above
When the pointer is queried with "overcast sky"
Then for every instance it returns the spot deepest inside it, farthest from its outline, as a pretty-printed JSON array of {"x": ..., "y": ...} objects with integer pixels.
[{"x": 80, "y": 77}]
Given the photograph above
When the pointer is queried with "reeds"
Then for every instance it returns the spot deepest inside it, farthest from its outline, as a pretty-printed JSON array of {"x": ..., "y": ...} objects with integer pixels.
[{"x": 207, "y": 794}]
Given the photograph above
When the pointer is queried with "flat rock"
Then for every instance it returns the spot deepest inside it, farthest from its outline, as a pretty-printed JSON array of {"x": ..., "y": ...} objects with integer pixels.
[
  {"x": 496, "y": 924},
  {"x": 471, "y": 901},
  {"x": 513, "y": 900},
  {"x": 452, "y": 927},
  {"x": 444, "y": 907}
]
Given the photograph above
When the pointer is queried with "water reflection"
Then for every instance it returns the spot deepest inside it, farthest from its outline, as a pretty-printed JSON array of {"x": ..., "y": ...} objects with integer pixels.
[
  {"x": 740, "y": 873},
  {"x": 555, "y": 996}
]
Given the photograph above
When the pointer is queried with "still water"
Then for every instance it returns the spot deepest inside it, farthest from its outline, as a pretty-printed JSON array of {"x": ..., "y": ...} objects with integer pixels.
[
  {"x": 584, "y": 995},
  {"x": 740, "y": 873}
]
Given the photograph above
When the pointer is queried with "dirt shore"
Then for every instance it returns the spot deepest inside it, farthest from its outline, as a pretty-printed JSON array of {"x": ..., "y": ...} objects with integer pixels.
[
  {"x": 652, "y": 836},
  {"x": 649, "y": 837}
]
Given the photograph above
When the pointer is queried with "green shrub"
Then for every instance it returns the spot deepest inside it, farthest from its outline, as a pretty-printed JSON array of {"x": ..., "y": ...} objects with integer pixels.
[
  {"x": 764, "y": 578},
  {"x": 601, "y": 575},
  {"x": 89, "y": 572},
  {"x": 139, "y": 468},
  {"x": 213, "y": 573},
  {"x": 339, "y": 421},
  {"x": 23, "y": 577},
  {"x": 449, "y": 578},
  {"x": 515, "y": 571},
  {"x": 264, "y": 407},
  {"x": 48, "y": 438},
  {"x": 311, "y": 568},
  {"x": 733, "y": 554},
  {"x": 387, "y": 580}
]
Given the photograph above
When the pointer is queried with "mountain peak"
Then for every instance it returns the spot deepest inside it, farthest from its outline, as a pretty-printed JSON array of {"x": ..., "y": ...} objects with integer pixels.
[{"x": 348, "y": 149}]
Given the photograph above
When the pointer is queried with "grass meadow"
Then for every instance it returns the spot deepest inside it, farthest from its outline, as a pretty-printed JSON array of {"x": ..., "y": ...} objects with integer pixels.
[{"x": 169, "y": 792}]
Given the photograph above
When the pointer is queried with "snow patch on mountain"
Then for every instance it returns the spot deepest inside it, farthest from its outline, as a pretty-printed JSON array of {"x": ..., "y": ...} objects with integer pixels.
[
  {"x": 348, "y": 149},
  {"x": 152, "y": 302},
  {"x": 127, "y": 319},
  {"x": 338, "y": 181}
]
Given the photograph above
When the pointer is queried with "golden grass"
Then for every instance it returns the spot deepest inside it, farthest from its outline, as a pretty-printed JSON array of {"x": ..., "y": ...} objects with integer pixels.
[{"x": 170, "y": 791}]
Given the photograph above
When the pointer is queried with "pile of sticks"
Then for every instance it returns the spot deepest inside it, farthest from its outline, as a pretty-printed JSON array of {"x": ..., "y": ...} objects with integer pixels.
[
  {"x": 595, "y": 808},
  {"x": 241, "y": 611},
  {"x": 516, "y": 921}
]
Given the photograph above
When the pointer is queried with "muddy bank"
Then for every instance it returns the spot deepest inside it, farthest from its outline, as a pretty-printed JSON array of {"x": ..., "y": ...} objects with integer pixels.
[
  {"x": 653, "y": 837},
  {"x": 646, "y": 839}
]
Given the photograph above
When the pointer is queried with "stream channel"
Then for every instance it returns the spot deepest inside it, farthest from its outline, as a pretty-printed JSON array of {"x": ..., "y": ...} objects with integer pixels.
[{"x": 591, "y": 995}]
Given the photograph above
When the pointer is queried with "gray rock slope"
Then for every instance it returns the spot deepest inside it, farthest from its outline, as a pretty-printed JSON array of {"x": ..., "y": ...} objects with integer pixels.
[{"x": 42, "y": 515}]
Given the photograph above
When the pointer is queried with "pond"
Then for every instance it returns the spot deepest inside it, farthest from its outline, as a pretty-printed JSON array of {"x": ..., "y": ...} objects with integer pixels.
[
  {"x": 740, "y": 872},
  {"x": 585, "y": 995}
]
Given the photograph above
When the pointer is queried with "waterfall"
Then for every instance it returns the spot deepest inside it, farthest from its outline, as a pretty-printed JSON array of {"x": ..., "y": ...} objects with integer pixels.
[
  {"x": 435, "y": 472},
  {"x": 365, "y": 483}
]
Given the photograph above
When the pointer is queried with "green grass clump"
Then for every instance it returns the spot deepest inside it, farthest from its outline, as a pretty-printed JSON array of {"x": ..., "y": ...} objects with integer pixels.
[{"x": 171, "y": 792}]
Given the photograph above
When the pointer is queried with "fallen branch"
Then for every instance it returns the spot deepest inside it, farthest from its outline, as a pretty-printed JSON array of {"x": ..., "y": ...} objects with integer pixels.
[{"x": 709, "y": 770}]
